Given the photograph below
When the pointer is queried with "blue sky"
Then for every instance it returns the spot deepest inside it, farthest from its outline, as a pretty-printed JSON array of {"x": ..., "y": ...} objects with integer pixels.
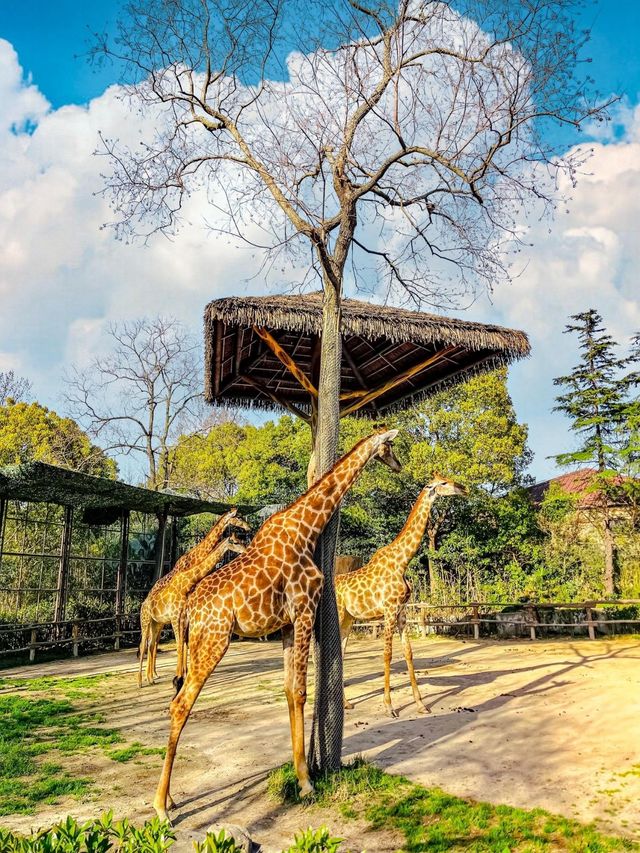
[{"x": 62, "y": 278}]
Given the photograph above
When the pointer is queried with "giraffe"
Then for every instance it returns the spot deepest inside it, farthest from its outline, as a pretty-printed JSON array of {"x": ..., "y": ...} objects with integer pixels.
[
  {"x": 379, "y": 588},
  {"x": 165, "y": 599},
  {"x": 274, "y": 585}
]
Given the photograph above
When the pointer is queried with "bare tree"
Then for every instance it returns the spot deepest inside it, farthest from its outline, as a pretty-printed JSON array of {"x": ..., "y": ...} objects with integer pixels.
[
  {"x": 143, "y": 394},
  {"x": 397, "y": 146},
  {"x": 13, "y": 387}
]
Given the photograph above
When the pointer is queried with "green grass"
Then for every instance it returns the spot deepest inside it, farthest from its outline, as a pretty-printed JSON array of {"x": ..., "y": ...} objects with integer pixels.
[
  {"x": 432, "y": 820},
  {"x": 135, "y": 750},
  {"x": 80, "y": 687},
  {"x": 38, "y": 729}
]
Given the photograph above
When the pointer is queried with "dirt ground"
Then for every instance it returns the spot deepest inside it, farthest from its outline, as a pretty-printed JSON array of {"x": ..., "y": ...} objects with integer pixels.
[{"x": 554, "y": 724}]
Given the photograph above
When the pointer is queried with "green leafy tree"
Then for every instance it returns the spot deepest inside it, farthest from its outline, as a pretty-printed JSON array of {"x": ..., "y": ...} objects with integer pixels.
[
  {"x": 30, "y": 432},
  {"x": 249, "y": 464},
  {"x": 595, "y": 401}
]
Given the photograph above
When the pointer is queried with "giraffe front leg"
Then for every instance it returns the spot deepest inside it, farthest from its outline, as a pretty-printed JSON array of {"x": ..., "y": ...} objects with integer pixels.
[
  {"x": 389, "y": 626},
  {"x": 288, "y": 650},
  {"x": 303, "y": 630},
  {"x": 408, "y": 656}
]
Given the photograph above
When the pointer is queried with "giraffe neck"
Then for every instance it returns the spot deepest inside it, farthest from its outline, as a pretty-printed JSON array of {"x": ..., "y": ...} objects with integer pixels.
[
  {"x": 200, "y": 551},
  {"x": 199, "y": 569},
  {"x": 407, "y": 542},
  {"x": 307, "y": 517}
]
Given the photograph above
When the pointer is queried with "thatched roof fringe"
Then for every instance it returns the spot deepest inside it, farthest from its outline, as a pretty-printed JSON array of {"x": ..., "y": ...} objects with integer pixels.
[{"x": 304, "y": 314}]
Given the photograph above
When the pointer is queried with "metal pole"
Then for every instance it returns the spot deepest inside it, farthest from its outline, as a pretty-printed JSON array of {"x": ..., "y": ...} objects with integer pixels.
[
  {"x": 160, "y": 544},
  {"x": 121, "y": 579},
  {"x": 63, "y": 567},
  {"x": 173, "y": 547}
]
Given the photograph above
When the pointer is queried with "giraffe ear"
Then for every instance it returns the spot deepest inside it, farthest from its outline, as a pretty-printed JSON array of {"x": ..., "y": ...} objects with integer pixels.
[{"x": 389, "y": 435}]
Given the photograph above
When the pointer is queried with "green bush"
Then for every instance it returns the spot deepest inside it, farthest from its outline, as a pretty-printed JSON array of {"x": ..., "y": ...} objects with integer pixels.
[{"x": 104, "y": 834}]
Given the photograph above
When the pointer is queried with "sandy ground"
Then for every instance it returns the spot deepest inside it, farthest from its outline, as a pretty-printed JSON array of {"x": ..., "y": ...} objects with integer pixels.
[{"x": 554, "y": 724}]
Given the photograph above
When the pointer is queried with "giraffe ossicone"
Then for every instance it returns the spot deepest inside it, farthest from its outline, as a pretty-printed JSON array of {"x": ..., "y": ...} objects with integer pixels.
[{"x": 274, "y": 585}]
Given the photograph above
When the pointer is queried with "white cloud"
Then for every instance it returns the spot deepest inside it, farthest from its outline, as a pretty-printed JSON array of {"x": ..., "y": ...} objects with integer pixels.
[{"x": 62, "y": 278}]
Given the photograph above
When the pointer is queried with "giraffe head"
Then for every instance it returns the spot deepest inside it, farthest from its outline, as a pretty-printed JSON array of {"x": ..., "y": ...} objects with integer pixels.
[
  {"x": 384, "y": 452},
  {"x": 443, "y": 486},
  {"x": 232, "y": 519},
  {"x": 232, "y": 543}
]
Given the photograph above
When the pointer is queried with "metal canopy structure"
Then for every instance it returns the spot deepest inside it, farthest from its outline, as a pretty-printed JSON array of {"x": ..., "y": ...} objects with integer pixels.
[
  {"x": 265, "y": 351},
  {"x": 39, "y": 482}
]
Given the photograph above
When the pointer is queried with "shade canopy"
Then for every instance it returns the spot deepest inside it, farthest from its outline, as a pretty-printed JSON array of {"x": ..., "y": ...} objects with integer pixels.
[
  {"x": 40, "y": 482},
  {"x": 265, "y": 351}
]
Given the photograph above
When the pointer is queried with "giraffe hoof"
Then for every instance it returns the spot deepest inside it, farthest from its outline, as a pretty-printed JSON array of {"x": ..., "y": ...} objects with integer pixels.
[
  {"x": 391, "y": 712},
  {"x": 306, "y": 789},
  {"x": 349, "y": 706},
  {"x": 422, "y": 709}
]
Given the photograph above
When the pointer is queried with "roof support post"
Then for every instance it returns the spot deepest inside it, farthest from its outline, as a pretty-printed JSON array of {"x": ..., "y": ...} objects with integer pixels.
[
  {"x": 121, "y": 579},
  {"x": 160, "y": 545},
  {"x": 173, "y": 541},
  {"x": 62, "y": 586},
  {"x": 3, "y": 519}
]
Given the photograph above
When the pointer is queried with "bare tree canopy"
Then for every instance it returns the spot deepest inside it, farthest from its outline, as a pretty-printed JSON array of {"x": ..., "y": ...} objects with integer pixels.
[
  {"x": 143, "y": 394},
  {"x": 405, "y": 152},
  {"x": 13, "y": 387}
]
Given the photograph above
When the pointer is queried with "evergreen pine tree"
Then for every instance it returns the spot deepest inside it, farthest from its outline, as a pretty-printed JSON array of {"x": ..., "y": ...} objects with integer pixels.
[{"x": 596, "y": 403}]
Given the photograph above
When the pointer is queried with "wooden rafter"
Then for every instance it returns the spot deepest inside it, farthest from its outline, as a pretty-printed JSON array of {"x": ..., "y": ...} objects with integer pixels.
[
  {"x": 397, "y": 380},
  {"x": 283, "y": 356},
  {"x": 280, "y": 401}
]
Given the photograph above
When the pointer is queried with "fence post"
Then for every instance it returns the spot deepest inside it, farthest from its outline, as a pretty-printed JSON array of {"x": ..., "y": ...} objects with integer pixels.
[
  {"x": 590, "y": 625},
  {"x": 63, "y": 569},
  {"x": 116, "y": 641},
  {"x": 32, "y": 645},
  {"x": 531, "y": 619},
  {"x": 423, "y": 619},
  {"x": 75, "y": 634},
  {"x": 475, "y": 619},
  {"x": 173, "y": 541}
]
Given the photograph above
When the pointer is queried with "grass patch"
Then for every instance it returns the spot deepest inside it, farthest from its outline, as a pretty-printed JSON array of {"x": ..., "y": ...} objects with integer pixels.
[
  {"x": 135, "y": 751},
  {"x": 81, "y": 686},
  {"x": 38, "y": 731},
  {"x": 432, "y": 820}
]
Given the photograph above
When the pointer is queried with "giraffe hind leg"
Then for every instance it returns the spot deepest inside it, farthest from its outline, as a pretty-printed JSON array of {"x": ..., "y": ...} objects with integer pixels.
[{"x": 205, "y": 658}]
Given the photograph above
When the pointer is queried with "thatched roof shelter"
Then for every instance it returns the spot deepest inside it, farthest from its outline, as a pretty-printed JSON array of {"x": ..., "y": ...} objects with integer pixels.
[{"x": 264, "y": 351}]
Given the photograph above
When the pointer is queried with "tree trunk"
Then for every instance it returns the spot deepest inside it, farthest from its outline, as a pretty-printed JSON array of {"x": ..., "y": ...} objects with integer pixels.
[
  {"x": 611, "y": 579},
  {"x": 325, "y": 747}
]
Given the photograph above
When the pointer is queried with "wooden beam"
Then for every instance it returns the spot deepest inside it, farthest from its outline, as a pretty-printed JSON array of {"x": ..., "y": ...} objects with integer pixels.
[
  {"x": 217, "y": 370},
  {"x": 284, "y": 357},
  {"x": 280, "y": 401},
  {"x": 397, "y": 380},
  {"x": 349, "y": 395}
]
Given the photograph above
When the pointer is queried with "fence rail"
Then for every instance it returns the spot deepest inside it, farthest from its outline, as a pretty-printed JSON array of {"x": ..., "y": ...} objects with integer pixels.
[
  {"x": 78, "y": 632},
  {"x": 417, "y": 615}
]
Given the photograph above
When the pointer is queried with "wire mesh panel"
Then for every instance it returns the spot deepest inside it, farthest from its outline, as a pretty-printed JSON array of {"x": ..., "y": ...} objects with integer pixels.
[
  {"x": 93, "y": 569},
  {"x": 142, "y": 556},
  {"x": 30, "y": 543}
]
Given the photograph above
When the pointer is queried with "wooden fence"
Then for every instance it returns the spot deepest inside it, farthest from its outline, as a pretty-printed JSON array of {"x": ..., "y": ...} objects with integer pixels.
[
  {"x": 123, "y": 629},
  {"x": 474, "y": 614}
]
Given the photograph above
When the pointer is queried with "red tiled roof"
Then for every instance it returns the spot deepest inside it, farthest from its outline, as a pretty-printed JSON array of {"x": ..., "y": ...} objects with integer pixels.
[{"x": 580, "y": 482}]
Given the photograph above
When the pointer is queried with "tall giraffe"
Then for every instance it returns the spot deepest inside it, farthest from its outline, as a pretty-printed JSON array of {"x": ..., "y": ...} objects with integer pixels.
[
  {"x": 164, "y": 601},
  {"x": 274, "y": 585},
  {"x": 379, "y": 588}
]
